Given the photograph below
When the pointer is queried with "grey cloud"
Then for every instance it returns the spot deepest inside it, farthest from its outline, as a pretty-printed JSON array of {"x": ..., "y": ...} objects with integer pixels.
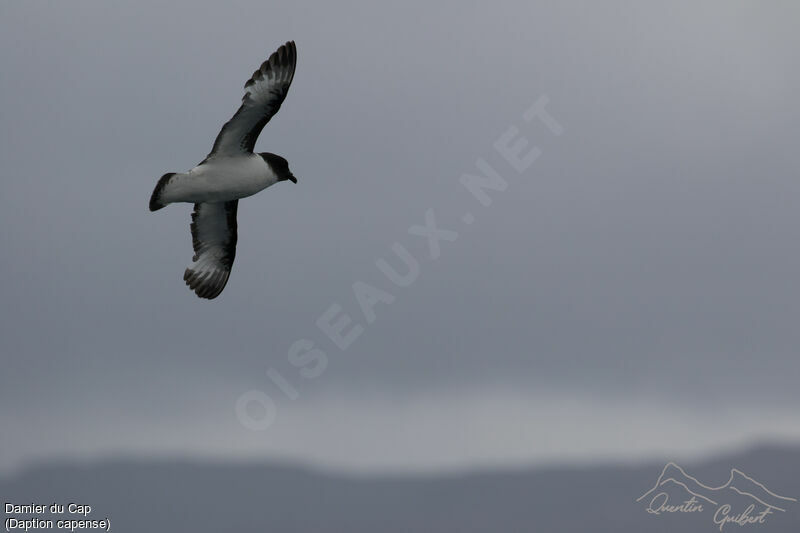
[{"x": 651, "y": 249}]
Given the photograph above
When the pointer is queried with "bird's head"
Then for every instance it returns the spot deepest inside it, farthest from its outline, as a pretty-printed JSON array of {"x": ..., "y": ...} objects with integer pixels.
[{"x": 279, "y": 166}]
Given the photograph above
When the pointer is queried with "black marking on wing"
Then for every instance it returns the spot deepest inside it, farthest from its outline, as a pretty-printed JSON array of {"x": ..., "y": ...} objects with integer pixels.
[
  {"x": 265, "y": 91},
  {"x": 214, "y": 236}
]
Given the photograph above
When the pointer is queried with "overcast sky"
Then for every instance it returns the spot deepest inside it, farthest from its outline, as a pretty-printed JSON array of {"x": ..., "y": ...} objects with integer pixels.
[{"x": 632, "y": 292}]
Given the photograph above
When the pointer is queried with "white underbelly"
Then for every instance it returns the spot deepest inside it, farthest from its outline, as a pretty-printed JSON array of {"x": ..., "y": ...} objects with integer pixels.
[{"x": 220, "y": 181}]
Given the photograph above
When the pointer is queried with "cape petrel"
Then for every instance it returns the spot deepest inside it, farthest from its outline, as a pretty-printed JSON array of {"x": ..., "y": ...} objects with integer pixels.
[{"x": 230, "y": 172}]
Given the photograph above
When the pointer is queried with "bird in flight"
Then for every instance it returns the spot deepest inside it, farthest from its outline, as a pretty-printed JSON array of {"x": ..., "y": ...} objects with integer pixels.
[{"x": 230, "y": 172}]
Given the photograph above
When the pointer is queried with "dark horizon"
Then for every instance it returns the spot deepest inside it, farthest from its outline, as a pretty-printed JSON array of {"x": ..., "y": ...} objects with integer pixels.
[{"x": 205, "y": 495}]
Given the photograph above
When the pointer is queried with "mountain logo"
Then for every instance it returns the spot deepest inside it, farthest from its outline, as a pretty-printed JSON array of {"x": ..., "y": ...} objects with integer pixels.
[{"x": 741, "y": 500}]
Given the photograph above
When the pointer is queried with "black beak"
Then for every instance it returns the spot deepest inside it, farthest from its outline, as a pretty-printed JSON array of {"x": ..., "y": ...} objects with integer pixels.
[{"x": 292, "y": 178}]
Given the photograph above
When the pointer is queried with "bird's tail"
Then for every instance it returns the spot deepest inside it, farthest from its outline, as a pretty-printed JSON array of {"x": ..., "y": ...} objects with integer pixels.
[{"x": 156, "y": 202}]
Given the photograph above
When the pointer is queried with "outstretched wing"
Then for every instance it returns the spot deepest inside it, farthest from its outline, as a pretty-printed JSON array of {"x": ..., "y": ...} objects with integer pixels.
[
  {"x": 264, "y": 94},
  {"x": 214, "y": 240}
]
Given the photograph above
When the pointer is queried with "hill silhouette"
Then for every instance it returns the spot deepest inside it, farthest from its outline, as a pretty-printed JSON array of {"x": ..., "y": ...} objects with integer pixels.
[{"x": 199, "y": 497}]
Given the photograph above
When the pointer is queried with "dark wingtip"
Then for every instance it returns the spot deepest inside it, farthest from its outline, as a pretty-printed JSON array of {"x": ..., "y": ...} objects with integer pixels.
[
  {"x": 155, "y": 198},
  {"x": 206, "y": 287}
]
